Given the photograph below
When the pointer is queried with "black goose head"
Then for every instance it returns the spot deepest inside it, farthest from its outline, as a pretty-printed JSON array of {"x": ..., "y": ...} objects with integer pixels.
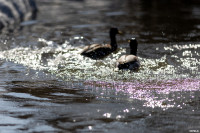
[
  {"x": 133, "y": 46},
  {"x": 113, "y": 33}
]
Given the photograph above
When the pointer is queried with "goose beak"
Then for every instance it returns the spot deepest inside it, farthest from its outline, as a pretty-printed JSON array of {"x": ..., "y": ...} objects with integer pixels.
[{"x": 120, "y": 32}]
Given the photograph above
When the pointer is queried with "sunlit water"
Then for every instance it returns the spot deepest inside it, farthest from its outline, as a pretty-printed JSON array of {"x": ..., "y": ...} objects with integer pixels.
[{"x": 47, "y": 86}]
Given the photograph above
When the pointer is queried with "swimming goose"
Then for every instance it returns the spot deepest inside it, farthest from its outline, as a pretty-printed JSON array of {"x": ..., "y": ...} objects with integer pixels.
[
  {"x": 130, "y": 61},
  {"x": 98, "y": 51}
]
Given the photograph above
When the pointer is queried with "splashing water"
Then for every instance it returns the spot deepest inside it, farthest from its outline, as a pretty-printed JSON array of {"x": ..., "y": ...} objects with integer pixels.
[{"x": 65, "y": 61}]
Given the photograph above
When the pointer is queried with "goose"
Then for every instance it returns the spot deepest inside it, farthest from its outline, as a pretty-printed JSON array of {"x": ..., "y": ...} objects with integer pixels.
[
  {"x": 130, "y": 61},
  {"x": 99, "y": 51}
]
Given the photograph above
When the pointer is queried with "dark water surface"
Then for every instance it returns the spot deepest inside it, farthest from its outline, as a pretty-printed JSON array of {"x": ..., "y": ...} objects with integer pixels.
[{"x": 46, "y": 86}]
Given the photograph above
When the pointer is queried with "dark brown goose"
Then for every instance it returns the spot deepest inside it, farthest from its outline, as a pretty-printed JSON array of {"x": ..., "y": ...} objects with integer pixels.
[
  {"x": 131, "y": 61},
  {"x": 99, "y": 51}
]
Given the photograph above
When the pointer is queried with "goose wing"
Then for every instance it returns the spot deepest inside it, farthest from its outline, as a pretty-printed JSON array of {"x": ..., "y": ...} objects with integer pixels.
[{"x": 94, "y": 47}]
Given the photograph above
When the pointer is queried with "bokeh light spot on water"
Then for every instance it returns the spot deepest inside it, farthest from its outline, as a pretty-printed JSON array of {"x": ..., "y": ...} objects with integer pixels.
[{"x": 107, "y": 115}]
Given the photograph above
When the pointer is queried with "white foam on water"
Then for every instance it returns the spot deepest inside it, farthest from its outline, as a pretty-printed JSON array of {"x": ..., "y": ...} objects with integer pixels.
[{"x": 65, "y": 61}]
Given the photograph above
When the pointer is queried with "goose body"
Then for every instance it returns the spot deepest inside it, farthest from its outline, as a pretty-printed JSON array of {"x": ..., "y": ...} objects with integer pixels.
[
  {"x": 98, "y": 51},
  {"x": 130, "y": 61}
]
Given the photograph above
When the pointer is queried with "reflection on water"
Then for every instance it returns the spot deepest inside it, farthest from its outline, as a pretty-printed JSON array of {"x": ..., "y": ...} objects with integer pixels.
[{"x": 47, "y": 86}]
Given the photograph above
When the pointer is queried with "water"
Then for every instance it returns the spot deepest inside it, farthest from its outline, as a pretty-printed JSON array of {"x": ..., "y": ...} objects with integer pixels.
[{"x": 46, "y": 86}]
